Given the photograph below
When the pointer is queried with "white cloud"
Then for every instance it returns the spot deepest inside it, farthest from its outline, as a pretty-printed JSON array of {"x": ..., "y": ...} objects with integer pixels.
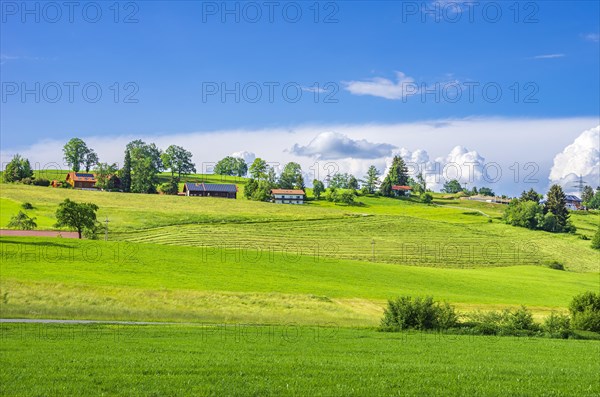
[
  {"x": 460, "y": 163},
  {"x": 549, "y": 56},
  {"x": 403, "y": 87},
  {"x": 248, "y": 157},
  {"x": 333, "y": 145},
  {"x": 580, "y": 158},
  {"x": 593, "y": 37}
]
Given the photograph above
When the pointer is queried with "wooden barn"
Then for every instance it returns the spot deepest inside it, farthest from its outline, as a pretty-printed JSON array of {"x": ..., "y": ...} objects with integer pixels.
[
  {"x": 81, "y": 180},
  {"x": 224, "y": 190}
]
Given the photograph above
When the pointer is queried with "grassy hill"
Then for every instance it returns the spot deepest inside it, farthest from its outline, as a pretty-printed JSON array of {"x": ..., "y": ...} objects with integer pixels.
[
  {"x": 50, "y": 278},
  {"x": 450, "y": 233}
]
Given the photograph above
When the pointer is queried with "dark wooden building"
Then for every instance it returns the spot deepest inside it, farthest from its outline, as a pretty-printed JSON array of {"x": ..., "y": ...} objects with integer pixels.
[{"x": 210, "y": 190}]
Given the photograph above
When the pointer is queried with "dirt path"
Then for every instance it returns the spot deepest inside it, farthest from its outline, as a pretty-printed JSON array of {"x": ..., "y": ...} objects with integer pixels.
[
  {"x": 53, "y": 321},
  {"x": 37, "y": 233}
]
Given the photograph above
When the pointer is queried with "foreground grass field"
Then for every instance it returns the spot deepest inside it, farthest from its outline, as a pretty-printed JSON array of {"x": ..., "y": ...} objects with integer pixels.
[{"x": 287, "y": 360}]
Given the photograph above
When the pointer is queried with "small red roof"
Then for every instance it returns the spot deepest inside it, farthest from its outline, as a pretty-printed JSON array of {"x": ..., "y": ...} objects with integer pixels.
[
  {"x": 286, "y": 191},
  {"x": 401, "y": 187}
]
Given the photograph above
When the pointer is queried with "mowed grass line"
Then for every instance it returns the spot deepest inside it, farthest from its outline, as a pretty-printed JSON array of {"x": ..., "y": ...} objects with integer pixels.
[
  {"x": 286, "y": 361},
  {"x": 392, "y": 239},
  {"x": 92, "y": 278}
]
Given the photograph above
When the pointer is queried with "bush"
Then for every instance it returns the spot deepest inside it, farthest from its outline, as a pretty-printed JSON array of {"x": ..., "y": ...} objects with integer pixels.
[
  {"x": 27, "y": 181},
  {"x": 596, "y": 240},
  {"x": 426, "y": 198},
  {"x": 507, "y": 322},
  {"x": 22, "y": 221},
  {"x": 585, "y": 311},
  {"x": 418, "y": 313},
  {"x": 557, "y": 326},
  {"x": 41, "y": 182},
  {"x": 169, "y": 188},
  {"x": 555, "y": 265},
  {"x": 27, "y": 206}
]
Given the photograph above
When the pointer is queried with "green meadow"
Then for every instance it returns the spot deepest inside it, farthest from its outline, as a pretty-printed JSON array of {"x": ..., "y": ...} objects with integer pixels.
[{"x": 286, "y": 360}]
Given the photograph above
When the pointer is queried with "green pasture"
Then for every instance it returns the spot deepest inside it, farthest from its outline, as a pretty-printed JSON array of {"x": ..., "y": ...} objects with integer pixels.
[
  {"x": 69, "y": 278},
  {"x": 286, "y": 360}
]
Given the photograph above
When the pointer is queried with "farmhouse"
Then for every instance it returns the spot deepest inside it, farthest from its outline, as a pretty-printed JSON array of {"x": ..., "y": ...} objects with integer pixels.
[
  {"x": 287, "y": 196},
  {"x": 81, "y": 180},
  {"x": 400, "y": 190},
  {"x": 224, "y": 190},
  {"x": 573, "y": 202}
]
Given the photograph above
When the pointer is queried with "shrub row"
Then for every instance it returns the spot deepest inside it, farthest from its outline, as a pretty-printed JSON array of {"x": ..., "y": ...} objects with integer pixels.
[{"x": 405, "y": 313}]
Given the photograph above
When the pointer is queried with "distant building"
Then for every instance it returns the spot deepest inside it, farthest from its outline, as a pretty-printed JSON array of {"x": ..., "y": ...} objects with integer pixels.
[
  {"x": 81, "y": 180},
  {"x": 287, "y": 196},
  {"x": 573, "y": 202},
  {"x": 401, "y": 190},
  {"x": 488, "y": 199},
  {"x": 224, "y": 190}
]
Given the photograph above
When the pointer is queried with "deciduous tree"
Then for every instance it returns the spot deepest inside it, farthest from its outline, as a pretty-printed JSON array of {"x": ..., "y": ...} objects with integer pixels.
[{"x": 77, "y": 216}]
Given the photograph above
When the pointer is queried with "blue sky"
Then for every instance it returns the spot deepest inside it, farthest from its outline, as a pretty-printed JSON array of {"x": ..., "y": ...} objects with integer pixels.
[{"x": 374, "y": 60}]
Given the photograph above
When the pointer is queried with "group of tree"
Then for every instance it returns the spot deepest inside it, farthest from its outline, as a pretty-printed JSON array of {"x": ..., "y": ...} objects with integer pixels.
[
  {"x": 80, "y": 217},
  {"x": 591, "y": 199},
  {"x": 264, "y": 179},
  {"x": 142, "y": 164},
  {"x": 17, "y": 169},
  {"x": 552, "y": 216},
  {"x": 231, "y": 166},
  {"x": 79, "y": 156},
  {"x": 343, "y": 181}
]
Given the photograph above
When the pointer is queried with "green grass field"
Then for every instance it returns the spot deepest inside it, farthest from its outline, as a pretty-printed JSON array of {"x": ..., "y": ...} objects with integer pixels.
[
  {"x": 319, "y": 269},
  {"x": 286, "y": 360},
  {"x": 50, "y": 278}
]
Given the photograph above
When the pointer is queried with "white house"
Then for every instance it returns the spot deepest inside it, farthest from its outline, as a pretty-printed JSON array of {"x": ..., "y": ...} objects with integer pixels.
[{"x": 287, "y": 196}]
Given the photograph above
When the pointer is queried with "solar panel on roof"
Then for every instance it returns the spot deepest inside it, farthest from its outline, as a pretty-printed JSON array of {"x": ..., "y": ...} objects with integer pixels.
[
  {"x": 211, "y": 187},
  {"x": 81, "y": 175}
]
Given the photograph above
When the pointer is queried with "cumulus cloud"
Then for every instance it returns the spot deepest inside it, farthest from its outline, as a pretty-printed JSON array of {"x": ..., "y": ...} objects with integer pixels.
[
  {"x": 333, "y": 145},
  {"x": 248, "y": 157},
  {"x": 580, "y": 158},
  {"x": 403, "y": 87},
  {"x": 466, "y": 166}
]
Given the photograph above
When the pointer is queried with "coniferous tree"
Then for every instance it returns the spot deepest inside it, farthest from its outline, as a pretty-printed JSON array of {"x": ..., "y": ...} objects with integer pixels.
[
  {"x": 397, "y": 175},
  {"x": 556, "y": 205},
  {"x": 126, "y": 173},
  {"x": 372, "y": 179},
  {"x": 530, "y": 195},
  {"x": 587, "y": 194}
]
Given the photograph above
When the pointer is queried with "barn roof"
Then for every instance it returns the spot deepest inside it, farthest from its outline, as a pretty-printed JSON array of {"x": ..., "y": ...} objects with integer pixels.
[
  {"x": 570, "y": 197},
  {"x": 401, "y": 187},
  {"x": 287, "y": 191},
  {"x": 81, "y": 176},
  {"x": 211, "y": 187}
]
